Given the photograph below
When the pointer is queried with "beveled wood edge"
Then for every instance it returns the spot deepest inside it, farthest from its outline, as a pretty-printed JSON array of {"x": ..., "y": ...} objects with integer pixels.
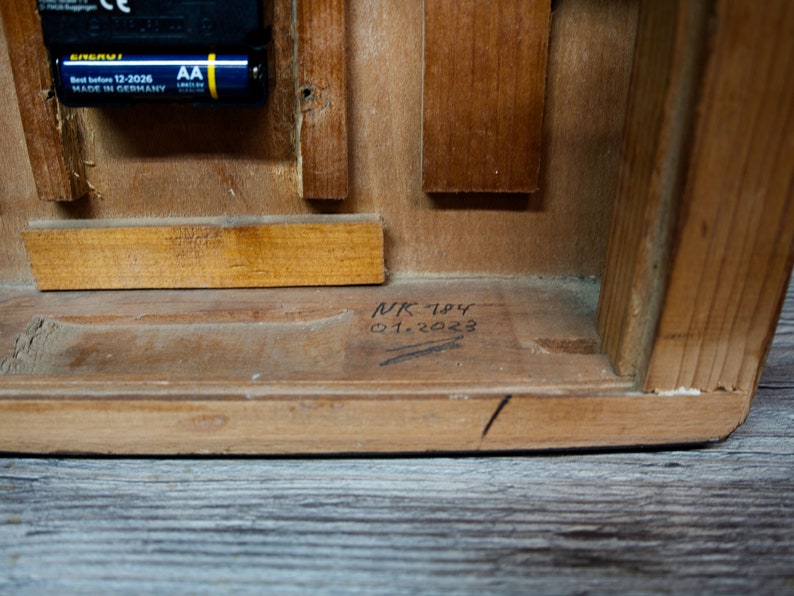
[{"x": 208, "y": 221}]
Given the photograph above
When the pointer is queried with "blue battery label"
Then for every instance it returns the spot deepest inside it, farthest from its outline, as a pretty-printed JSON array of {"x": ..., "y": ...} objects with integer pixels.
[{"x": 106, "y": 77}]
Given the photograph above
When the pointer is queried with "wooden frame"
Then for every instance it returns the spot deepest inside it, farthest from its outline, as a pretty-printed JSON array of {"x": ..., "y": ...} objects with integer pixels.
[{"x": 700, "y": 252}]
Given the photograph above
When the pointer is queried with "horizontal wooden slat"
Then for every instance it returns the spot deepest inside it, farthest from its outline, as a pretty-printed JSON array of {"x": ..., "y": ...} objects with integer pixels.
[
  {"x": 300, "y": 251},
  {"x": 328, "y": 422}
]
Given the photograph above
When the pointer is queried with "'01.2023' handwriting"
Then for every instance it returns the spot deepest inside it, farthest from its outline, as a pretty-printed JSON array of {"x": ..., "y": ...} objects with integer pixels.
[{"x": 413, "y": 317}]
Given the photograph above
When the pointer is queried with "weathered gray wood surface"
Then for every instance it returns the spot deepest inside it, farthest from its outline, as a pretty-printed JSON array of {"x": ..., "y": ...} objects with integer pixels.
[{"x": 716, "y": 519}]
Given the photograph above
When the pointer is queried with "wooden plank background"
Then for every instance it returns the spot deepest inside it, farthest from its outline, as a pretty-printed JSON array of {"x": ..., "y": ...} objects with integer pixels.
[
  {"x": 713, "y": 520},
  {"x": 165, "y": 161}
]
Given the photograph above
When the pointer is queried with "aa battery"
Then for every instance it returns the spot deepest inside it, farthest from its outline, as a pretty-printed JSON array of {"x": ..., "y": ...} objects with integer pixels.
[{"x": 86, "y": 79}]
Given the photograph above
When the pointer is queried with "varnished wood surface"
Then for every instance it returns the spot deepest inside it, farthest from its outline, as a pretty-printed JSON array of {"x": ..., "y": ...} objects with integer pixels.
[
  {"x": 719, "y": 519},
  {"x": 483, "y": 91}
]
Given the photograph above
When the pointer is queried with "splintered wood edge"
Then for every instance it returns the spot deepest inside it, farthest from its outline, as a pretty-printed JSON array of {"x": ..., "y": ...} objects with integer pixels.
[
  {"x": 369, "y": 423},
  {"x": 53, "y": 132},
  {"x": 207, "y": 253}
]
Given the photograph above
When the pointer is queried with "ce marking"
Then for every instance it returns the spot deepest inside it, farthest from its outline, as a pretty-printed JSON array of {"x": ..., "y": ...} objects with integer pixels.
[{"x": 120, "y": 4}]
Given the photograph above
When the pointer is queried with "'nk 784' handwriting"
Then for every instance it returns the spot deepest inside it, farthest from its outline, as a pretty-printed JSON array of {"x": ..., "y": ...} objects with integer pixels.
[{"x": 417, "y": 317}]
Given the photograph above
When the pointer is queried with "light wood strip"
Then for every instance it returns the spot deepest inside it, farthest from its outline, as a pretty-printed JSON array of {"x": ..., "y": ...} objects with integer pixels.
[
  {"x": 665, "y": 81},
  {"x": 53, "y": 132},
  {"x": 322, "y": 90},
  {"x": 483, "y": 110},
  {"x": 207, "y": 254},
  {"x": 734, "y": 253}
]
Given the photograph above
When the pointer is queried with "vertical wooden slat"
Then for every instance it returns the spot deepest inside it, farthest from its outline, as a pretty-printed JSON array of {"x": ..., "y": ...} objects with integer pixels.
[
  {"x": 52, "y": 131},
  {"x": 666, "y": 76},
  {"x": 484, "y": 84},
  {"x": 322, "y": 98},
  {"x": 735, "y": 245}
]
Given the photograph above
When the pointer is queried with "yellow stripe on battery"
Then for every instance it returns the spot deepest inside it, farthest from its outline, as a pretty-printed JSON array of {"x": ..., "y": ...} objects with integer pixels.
[{"x": 211, "y": 76}]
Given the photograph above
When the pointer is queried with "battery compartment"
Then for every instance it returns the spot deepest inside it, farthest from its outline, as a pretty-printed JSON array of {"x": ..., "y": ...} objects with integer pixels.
[{"x": 117, "y": 52}]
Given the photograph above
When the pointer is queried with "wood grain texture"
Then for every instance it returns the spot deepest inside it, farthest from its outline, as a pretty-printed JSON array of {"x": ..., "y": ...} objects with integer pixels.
[
  {"x": 53, "y": 133},
  {"x": 671, "y": 42},
  {"x": 484, "y": 87},
  {"x": 322, "y": 95},
  {"x": 735, "y": 247},
  {"x": 682, "y": 520},
  {"x": 310, "y": 420},
  {"x": 306, "y": 251},
  {"x": 408, "y": 333}
]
